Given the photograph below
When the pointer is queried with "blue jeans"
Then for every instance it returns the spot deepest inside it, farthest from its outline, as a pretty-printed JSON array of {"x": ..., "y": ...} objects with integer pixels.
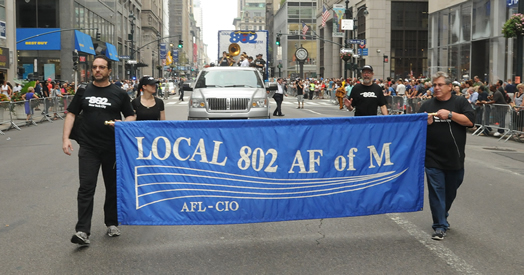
[{"x": 442, "y": 189}]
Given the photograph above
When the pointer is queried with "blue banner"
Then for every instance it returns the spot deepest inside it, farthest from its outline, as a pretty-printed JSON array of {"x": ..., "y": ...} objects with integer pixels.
[
  {"x": 43, "y": 42},
  {"x": 163, "y": 50},
  {"x": 224, "y": 172}
]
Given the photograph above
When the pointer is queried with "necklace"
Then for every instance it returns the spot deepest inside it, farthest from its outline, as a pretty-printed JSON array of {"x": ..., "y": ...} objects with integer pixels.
[{"x": 147, "y": 102}]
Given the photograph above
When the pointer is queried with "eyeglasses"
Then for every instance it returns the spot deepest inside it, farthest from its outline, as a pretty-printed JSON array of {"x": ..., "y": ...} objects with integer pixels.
[
  {"x": 439, "y": 85},
  {"x": 99, "y": 67}
]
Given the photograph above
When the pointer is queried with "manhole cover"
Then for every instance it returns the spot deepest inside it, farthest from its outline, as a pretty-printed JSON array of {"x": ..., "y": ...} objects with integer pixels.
[{"x": 499, "y": 149}]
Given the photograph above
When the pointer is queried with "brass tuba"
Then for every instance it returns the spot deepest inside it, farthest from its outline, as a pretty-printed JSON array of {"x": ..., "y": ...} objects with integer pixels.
[{"x": 234, "y": 49}]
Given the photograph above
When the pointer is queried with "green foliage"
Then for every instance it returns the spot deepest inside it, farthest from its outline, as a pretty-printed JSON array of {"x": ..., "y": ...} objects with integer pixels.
[{"x": 514, "y": 26}]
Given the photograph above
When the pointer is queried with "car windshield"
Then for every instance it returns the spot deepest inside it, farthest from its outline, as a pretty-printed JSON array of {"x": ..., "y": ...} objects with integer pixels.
[{"x": 228, "y": 79}]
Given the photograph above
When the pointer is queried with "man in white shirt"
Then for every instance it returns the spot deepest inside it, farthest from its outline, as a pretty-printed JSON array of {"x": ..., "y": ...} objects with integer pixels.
[
  {"x": 401, "y": 88},
  {"x": 279, "y": 97}
]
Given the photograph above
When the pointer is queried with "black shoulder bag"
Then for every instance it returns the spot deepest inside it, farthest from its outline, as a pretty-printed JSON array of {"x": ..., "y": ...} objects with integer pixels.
[{"x": 75, "y": 131}]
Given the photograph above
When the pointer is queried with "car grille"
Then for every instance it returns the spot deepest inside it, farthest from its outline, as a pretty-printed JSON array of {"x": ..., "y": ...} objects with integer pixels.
[{"x": 228, "y": 103}]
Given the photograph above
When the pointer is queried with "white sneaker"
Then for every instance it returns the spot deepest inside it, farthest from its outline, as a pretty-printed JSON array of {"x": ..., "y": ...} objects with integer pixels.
[
  {"x": 497, "y": 134},
  {"x": 113, "y": 231}
]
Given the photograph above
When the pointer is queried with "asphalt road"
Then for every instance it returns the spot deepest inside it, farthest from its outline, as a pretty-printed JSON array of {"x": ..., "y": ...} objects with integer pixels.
[{"x": 38, "y": 185}]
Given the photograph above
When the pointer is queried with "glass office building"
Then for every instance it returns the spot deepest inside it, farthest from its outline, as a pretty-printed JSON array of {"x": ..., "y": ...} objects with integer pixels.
[{"x": 466, "y": 40}]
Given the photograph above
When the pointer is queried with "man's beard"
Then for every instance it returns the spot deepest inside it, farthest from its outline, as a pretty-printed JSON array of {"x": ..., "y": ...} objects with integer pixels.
[{"x": 367, "y": 81}]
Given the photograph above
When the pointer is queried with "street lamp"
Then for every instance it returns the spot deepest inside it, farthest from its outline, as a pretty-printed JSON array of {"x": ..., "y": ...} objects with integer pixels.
[
  {"x": 365, "y": 11},
  {"x": 131, "y": 37}
]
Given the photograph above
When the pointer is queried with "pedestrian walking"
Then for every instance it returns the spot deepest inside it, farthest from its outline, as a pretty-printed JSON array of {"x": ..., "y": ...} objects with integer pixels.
[
  {"x": 279, "y": 97},
  {"x": 101, "y": 101},
  {"x": 181, "y": 89},
  {"x": 448, "y": 117}
]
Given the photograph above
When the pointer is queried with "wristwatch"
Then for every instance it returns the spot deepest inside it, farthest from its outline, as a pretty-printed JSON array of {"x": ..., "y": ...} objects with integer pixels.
[{"x": 450, "y": 115}]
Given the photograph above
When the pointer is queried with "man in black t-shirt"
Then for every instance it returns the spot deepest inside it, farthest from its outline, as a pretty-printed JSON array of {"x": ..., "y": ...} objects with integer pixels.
[
  {"x": 260, "y": 64},
  {"x": 100, "y": 101},
  {"x": 448, "y": 117},
  {"x": 366, "y": 97}
]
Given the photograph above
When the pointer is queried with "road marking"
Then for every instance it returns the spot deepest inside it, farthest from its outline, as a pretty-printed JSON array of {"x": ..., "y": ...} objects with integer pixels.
[
  {"x": 437, "y": 247},
  {"x": 314, "y": 112}
]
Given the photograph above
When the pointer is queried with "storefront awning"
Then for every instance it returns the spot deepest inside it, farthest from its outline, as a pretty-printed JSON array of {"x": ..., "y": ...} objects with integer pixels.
[
  {"x": 111, "y": 52},
  {"x": 83, "y": 43}
]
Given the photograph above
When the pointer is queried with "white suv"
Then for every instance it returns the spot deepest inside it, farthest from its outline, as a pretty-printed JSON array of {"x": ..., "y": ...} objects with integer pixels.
[{"x": 228, "y": 93}]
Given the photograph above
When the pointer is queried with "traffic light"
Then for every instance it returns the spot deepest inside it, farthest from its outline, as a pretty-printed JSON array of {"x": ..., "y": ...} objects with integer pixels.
[
  {"x": 386, "y": 59},
  {"x": 97, "y": 36},
  {"x": 75, "y": 60},
  {"x": 278, "y": 40},
  {"x": 180, "y": 44}
]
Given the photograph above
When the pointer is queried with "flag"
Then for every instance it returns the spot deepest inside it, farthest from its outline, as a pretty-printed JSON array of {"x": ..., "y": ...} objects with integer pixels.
[
  {"x": 304, "y": 30},
  {"x": 325, "y": 15}
]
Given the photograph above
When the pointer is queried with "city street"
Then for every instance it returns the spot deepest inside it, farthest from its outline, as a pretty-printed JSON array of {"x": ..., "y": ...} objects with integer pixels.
[{"x": 38, "y": 186}]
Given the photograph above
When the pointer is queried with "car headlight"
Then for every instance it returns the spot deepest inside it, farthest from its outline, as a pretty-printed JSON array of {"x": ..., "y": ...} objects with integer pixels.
[
  {"x": 259, "y": 103},
  {"x": 197, "y": 103}
]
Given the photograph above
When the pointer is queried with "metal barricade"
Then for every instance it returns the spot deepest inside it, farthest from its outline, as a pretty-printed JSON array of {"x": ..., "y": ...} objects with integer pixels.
[
  {"x": 517, "y": 123},
  {"x": 21, "y": 114},
  {"x": 496, "y": 117},
  {"x": 59, "y": 107},
  {"x": 397, "y": 105},
  {"x": 5, "y": 118}
]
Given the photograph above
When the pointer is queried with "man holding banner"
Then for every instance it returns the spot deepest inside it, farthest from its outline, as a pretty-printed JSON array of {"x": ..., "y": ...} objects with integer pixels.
[
  {"x": 101, "y": 101},
  {"x": 448, "y": 117}
]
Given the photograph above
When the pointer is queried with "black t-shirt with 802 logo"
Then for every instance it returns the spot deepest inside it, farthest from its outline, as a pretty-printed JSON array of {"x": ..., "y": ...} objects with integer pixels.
[
  {"x": 366, "y": 99},
  {"x": 100, "y": 104}
]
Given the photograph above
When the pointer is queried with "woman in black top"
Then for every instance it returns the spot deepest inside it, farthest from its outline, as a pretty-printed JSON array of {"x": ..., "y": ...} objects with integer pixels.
[{"x": 147, "y": 106}]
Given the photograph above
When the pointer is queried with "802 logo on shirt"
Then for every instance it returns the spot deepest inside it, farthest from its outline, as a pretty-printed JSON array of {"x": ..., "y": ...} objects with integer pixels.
[{"x": 98, "y": 102}]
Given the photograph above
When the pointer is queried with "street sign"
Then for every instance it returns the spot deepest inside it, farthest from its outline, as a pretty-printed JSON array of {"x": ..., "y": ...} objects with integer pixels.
[
  {"x": 354, "y": 41},
  {"x": 123, "y": 56},
  {"x": 363, "y": 52},
  {"x": 347, "y": 24},
  {"x": 132, "y": 62}
]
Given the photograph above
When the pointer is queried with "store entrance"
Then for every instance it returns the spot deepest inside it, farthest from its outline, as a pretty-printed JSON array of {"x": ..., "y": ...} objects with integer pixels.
[{"x": 480, "y": 64}]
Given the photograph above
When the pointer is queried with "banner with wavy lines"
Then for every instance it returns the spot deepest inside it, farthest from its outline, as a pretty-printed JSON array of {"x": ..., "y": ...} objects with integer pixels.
[{"x": 223, "y": 172}]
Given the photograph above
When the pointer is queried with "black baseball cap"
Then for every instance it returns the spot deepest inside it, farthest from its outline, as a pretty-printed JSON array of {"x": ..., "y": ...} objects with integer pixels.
[
  {"x": 367, "y": 67},
  {"x": 147, "y": 80}
]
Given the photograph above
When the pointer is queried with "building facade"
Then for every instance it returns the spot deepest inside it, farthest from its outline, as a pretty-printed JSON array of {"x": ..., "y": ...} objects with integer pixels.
[
  {"x": 8, "y": 61},
  {"x": 393, "y": 31},
  {"x": 289, "y": 21},
  {"x": 466, "y": 40},
  {"x": 113, "y": 28}
]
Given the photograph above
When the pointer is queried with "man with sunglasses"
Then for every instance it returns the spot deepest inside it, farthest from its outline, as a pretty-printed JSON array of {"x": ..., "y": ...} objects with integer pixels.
[
  {"x": 366, "y": 97},
  {"x": 448, "y": 117},
  {"x": 98, "y": 102}
]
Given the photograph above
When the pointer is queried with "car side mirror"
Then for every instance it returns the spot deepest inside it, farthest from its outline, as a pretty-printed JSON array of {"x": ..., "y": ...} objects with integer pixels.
[{"x": 187, "y": 87}]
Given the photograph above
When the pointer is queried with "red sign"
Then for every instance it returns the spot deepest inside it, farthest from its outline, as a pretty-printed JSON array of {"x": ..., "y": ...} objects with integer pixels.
[{"x": 82, "y": 59}]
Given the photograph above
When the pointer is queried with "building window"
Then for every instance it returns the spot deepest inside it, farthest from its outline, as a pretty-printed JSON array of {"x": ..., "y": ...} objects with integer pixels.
[{"x": 409, "y": 38}]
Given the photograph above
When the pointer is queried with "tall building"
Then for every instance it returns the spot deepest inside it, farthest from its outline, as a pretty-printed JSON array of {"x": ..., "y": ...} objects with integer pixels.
[
  {"x": 251, "y": 15},
  {"x": 390, "y": 30},
  {"x": 183, "y": 26},
  {"x": 151, "y": 18},
  {"x": 466, "y": 40},
  {"x": 290, "y": 20},
  {"x": 8, "y": 61},
  {"x": 118, "y": 29}
]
